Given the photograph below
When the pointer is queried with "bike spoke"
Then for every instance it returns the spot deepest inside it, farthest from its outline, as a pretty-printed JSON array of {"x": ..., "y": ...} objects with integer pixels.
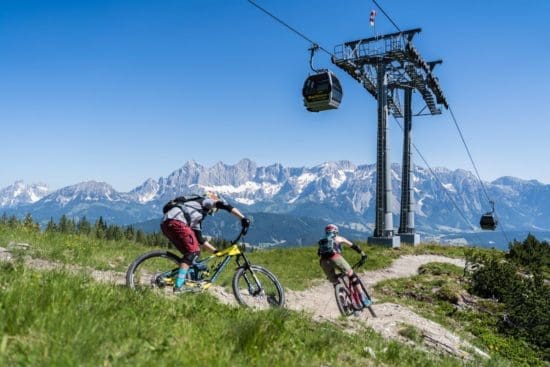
[
  {"x": 258, "y": 289},
  {"x": 154, "y": 271}
]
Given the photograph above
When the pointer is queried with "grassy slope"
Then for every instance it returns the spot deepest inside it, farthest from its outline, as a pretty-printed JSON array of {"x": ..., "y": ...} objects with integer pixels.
[
  {"x": 105, "y": 324},
  {"x": 59, "y": 319},
  {"x": 297, "y": 268}
]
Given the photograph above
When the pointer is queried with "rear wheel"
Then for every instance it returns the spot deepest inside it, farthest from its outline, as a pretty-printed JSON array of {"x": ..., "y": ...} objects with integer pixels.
[
  {"x": 156, "y": 269},
  {"x": 257, "y": 287}
]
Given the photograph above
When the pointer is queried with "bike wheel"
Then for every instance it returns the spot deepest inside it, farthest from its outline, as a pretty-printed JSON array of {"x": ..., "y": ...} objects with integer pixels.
[
  {"x": 343, "y": 299},
  {"x": 367, "y": 295},
  {"x": 257, "y": 287},
  {"x": 156, "y": 269}
]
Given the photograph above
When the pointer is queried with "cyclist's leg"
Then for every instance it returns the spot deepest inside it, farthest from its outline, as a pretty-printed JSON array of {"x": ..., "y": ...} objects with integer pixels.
[
  {"x": 354, "y": 279},
  {"x": 341, "y": 264},
  {"x": 186, "y": 242},
  {"x": 328, "y": 268}
]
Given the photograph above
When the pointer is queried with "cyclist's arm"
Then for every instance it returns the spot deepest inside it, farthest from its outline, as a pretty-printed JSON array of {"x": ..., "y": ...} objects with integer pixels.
[
  {"x": 351, "y": 245},
  {"x": 203, "y": 242},
  {"x": 231, "y": 209},
  {"x": 209, "y": 246}
]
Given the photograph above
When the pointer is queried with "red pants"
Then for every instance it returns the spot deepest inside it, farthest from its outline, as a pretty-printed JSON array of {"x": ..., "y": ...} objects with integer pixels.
[{"x": 181, "y": 235}]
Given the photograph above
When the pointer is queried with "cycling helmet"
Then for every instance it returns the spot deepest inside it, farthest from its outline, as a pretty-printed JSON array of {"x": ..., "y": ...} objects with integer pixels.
[
  {"x": 209, "y": 203},
  {"x": 331, "y": 228},
  {"x": 212, "y": 195}
]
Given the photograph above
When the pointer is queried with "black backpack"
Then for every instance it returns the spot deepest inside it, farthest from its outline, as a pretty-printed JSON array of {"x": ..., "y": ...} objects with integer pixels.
[
  {"x": 326, "y": 247},
  {"x": 179, "y": 201}
]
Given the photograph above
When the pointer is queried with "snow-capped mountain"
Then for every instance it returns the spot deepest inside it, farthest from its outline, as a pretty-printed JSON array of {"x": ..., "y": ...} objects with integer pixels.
[
  {"x": 90, "y": 191},
  {"x": 21, "y": 194},
  {"x": 90, "y": 199},
  {"x": 339, "y": 192}
]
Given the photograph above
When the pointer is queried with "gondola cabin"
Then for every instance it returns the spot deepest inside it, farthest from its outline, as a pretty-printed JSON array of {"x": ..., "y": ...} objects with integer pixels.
[
  {"x": 488, "y": 221},
  {"x": 322, "y": 91}
]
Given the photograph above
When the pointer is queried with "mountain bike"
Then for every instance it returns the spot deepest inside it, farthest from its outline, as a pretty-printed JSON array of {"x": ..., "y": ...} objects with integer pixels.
[
  {"x": 348, "y": 298},
  {"x": 253, "y": 285}
]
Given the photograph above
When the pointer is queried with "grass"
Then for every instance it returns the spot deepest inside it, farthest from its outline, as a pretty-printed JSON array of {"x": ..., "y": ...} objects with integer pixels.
[
  {"x": 411, "y": 332},
  {"x": 436, "y": 293},
  {"x": 296, "y": 268},
  {"x": 60, "y": 319}
]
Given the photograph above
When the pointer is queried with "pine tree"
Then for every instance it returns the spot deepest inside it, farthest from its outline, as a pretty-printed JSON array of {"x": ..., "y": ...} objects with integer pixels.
[
  {"x": 64, "y": 224},
  {"x": 13, "y": 222},
  {"x": 100, "y": 228},
  {"x": 83, "y": 226},
  {"x": 4, "y": 219},
  {"x": 29, "y": 223},
  {"x": 51, "y": 227},
  {"x": 130, "y": 233},
  {"x": 140, "y": 237}
]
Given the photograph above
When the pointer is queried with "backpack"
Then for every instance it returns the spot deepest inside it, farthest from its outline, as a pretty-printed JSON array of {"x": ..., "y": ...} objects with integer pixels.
[
  {"x": 326, "y": 247},
  {"x": 178, "y": 201}
]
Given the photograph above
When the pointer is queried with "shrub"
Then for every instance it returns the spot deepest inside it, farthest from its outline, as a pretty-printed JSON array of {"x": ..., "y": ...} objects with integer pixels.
[
  {"x": 519, "y": 283},
  {"x": 531, "y": 253}
]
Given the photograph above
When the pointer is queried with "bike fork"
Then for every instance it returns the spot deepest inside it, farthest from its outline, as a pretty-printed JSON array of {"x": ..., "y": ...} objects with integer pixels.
[{"x": 251, "y": 289}]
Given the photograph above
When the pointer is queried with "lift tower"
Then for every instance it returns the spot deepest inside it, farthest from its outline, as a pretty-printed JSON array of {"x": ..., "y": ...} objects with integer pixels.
[{"x": 384, "y": 65}]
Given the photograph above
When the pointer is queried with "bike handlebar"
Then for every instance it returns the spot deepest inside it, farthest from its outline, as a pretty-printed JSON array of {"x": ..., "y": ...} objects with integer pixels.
[
  {"x": 360, "y": 263},
  {"x": 243, "y": 232}
]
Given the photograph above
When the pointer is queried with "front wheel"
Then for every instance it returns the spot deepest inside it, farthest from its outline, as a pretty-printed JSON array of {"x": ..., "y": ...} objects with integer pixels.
[
  {"x": 367, "y": 295},
  {"x": 349, "y": 299},
  {"x": 343, "y": 300},
  {"x": 257, "y": 287},
  {"x": 155, "y": 269}
]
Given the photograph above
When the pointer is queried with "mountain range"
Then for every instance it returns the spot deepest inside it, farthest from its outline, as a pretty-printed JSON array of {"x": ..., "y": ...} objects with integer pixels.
[{"x": 339, "y": 192}]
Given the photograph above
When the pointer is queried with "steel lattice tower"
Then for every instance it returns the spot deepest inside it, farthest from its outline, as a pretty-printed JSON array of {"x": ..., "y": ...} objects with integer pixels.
[{"x": 385, "y": 65}]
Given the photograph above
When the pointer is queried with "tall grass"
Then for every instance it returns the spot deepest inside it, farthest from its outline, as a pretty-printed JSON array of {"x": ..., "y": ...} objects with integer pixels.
[{"x": 60, "y": 319}]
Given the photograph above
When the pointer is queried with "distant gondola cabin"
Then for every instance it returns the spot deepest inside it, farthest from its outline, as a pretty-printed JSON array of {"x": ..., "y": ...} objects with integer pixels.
[
  {"x": 322, "y": 91},
  {"x": 488, "y": 221}
]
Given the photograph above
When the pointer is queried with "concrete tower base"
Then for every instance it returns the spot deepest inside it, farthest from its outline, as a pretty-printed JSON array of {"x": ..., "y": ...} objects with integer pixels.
[
  {"x": 393, "y": 242},
  {"x": 410, "y": 238}
]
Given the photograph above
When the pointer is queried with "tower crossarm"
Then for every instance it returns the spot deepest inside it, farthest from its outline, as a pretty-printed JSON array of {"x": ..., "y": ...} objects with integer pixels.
[
  {"x": 405, "y": 66},
  {"x": 365, "y": 76}
]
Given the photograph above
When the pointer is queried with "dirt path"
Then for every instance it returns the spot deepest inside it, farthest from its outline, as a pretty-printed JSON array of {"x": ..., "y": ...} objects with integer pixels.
[{"x": 319, "y": 301}]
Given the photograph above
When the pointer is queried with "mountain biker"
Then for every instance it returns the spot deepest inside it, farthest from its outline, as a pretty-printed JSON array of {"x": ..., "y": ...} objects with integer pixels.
[
  {"x": 330, "y": 258},
  {"x": 182, "y": 224}
]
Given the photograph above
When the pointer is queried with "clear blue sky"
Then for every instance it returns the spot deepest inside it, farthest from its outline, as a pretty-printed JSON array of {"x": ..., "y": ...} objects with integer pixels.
[{"x": 120, "y": 91}]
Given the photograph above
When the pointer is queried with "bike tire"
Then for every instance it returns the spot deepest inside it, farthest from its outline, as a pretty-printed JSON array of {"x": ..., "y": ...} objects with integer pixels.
[
  {"x": 145, "y": 271},
  {"x": 257, "y": 287},
  {"x": 369, "y": 307},
  {"x": 343, "y": 299}
]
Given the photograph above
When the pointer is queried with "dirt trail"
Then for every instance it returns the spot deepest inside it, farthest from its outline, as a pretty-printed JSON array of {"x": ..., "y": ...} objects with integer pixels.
[{"x": 320, "y": 303}]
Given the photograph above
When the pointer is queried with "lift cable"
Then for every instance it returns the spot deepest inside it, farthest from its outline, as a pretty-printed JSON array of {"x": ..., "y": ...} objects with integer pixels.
[
  {"x": 477, "y": 172},
  {"x": 316, "y": 45},
  {"x": 459, "y": 131},
  {"x": 386, "y": 14},
  {"x": 291, "y": 28},
  {"x": 462, "y": 214},
  {"x": 469, "y": 154}
]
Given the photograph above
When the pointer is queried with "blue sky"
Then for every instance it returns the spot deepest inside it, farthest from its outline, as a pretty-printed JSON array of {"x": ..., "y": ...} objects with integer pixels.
[{"x": 120, "y": 91}]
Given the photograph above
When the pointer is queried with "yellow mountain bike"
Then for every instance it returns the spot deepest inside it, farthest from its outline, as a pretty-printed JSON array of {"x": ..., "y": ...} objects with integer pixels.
[{"x": 253, "y": 285}]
